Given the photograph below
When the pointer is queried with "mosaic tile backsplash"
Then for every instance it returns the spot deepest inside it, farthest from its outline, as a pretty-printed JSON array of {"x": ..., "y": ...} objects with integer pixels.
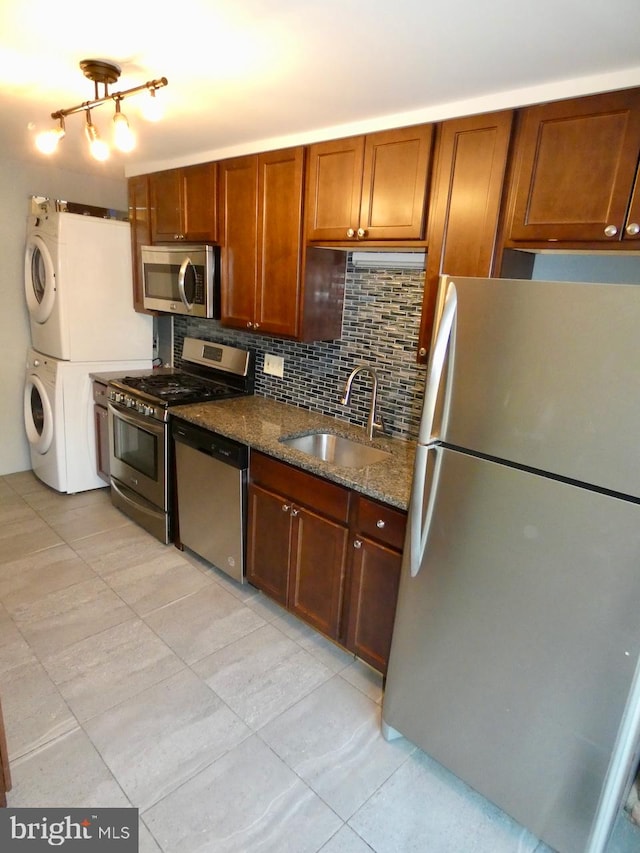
[{"x": 380, "y": 329}]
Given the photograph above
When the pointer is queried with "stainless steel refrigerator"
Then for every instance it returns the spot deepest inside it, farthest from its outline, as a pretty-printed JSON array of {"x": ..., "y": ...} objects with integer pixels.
[{"x": 517, "y": 638}]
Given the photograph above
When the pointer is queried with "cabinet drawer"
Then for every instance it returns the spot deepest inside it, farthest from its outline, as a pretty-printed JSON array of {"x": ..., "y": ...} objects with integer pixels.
[
  {"x": 381, "y": 522},
  {"x": 323, "y": 496},
  {"x": 100, "y": 393}
]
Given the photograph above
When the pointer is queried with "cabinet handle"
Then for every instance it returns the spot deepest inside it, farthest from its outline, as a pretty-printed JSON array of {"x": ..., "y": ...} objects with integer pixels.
[
  {"x": 357, "y": 544},
  {"x": 286, "y": 507},
  {"x": 610, "y": 231},
  {"x": 632, "y": 229},
  {"x": 294, "y": 512},
  {"x": 380, "y": 523},
  {"x": 351, "y": 232},
  {"x": 361, "y": 233}
]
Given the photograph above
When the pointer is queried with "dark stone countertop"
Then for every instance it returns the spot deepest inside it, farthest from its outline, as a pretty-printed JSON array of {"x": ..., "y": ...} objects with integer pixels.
[{"x": 259, "y": 423}]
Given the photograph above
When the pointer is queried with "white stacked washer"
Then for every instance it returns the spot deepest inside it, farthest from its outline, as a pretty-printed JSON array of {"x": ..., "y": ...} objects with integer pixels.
[{"x": 78, "y": 287}]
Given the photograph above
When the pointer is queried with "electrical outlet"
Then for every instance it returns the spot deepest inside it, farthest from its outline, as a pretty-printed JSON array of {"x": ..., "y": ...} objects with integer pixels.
[{"x": 274, "y": 364}]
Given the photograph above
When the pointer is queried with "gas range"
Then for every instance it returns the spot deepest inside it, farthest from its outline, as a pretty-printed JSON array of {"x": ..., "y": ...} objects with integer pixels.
[
  {"x": 140, "y": 458},
  {"x": 215, "y": 372}
]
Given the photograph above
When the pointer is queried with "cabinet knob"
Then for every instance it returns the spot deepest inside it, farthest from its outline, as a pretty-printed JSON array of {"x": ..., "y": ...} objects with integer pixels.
[
  {"x": 286, "y": 507},
  {"x": 422, "y": 352},
  {"x": 249, "y": 324},
  {"x": 294, "y": 512},
  {"x": 351, "y": 232},
  {"x": 178, "y": 236},
  {"x": 380, "y": 523},
  {"x": 632, "y": 229},
  {"x": 357, "y": 544},
  {"x": 256, "y": 325},
  {"x": 362, "y": 233},
  {"x": 610, "y": 231}
]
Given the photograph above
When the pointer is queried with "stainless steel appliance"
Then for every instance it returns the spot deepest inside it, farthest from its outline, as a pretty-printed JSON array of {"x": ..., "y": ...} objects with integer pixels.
[
  {"x": 514, "y": 660},
  {"x": 139, "y": 406},
  {"x": 181, "y": 279},
  {"x": 211, "y": 485}
]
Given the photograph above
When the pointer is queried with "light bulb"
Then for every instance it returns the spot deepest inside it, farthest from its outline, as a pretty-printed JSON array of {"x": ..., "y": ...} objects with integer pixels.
[
  {"x": 152, "y": 108},
  {"x": 99, "y": 149},
  {"x": 47, "y": 141},
  {"x": 123, "y": 136}
]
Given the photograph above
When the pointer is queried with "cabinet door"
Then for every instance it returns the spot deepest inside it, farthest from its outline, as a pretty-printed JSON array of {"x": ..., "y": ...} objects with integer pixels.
[
  {"x": 199, "y": 201},
  {"x": 334, "y": 182},
  {"x": 269, "y": 542},
  {"x": 5, "y": 775},
  {"x": 375, "y": 576},
  {"x": 632, "y": 225},
  {"x": 317, "y": 575},
  {"x": 279, "y": 240},
  {"x": 575, "y": 169},
  {"x": 394, "y": 184},
  {"x": 239, "y": 223},
  {"x": 139, "y": 220},
  {"x": 465, "y": 204},
  {"x": 166, "y": 218}
]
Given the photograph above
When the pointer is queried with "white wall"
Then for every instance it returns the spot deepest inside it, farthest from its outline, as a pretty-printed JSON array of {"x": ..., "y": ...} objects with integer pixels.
[{"x": 18, "y": 181}]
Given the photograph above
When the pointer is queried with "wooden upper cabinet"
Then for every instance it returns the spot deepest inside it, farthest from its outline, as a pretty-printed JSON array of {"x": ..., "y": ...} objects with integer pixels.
[
  {"x": 138, "y": 193},
  {"x": 270, "y": 283},
  {"x": 184, "y": 204},
  {"x": 575, "y": 169},
  {"x": 464, "y": 210},
  {"x": 369, "y": 188}
]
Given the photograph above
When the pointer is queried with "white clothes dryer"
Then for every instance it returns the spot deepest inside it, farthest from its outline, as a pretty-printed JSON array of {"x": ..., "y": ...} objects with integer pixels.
[
  {"x": 78, "y": 287},
  {"x": 59, "y": 419}
]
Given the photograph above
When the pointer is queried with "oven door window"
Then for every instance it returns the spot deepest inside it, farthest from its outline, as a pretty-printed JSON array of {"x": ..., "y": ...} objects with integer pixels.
[{"x": 136, "y": 447}]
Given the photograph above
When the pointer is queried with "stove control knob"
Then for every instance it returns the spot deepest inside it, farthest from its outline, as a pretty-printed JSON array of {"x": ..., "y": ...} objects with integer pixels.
[{"x": 130, "y": 402}]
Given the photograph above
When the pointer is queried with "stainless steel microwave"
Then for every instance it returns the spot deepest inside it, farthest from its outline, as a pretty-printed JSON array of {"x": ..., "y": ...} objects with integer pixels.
[{"x": 181, "y": 279}]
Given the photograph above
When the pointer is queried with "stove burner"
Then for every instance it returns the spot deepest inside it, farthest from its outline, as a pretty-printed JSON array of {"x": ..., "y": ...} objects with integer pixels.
[{"x": 176, "y": 388}]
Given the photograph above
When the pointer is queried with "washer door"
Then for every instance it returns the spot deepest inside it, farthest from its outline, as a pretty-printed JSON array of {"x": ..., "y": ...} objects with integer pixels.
[
  {"x": 39, "y": 279},
  {"x": 38, "y": 414}
]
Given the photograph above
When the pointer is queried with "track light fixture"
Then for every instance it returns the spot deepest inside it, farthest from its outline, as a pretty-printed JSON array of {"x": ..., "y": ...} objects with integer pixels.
[{"x": 103, "y": 72}]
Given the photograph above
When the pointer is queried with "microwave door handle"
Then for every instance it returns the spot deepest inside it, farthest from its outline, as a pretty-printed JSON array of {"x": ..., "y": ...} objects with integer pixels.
[{"x": 181, "y": 276}]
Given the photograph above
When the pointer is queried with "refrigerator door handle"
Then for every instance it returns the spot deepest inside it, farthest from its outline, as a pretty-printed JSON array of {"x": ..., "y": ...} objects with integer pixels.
[
  {"x": 444, "y": 337},
  {"x": 419, "y": 517}
]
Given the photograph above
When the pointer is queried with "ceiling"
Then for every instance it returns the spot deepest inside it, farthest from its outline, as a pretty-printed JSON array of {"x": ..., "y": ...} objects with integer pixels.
[{"x": 249, "y": 75}]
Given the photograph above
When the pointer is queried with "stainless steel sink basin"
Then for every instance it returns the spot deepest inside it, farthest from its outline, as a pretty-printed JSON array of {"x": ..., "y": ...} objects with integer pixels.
[{"x": 336, "y": 449}]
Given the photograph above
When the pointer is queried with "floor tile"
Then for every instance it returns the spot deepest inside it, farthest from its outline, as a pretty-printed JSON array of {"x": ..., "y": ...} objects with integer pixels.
[
  {"x": 14, "y": 649},
  {"x": 103, "y": 670},
  {"x": 261, "y": 675},
  {"x": 24, "y": 482},
  {"x": 65, "y": 616},
  {"x": 332, "y": 740},
  {"x": 423, "y": 807},
  {"x": 33, "y": 709},
  {"x": 248, "y": 800},
  {"x": 26, "y": 536},
  {"x": 347, "y": 841},
  {"x": 29, "y": 578},
  {"x": 156, "y": 582},
  {"x": 77, "y": 522},
  {"x": 365, "y": 679},
  {"x": 156, "y": 740},
  {"x": 46, "y": 501},
  {"x": 203, "y": 622},
  {"x": 66, "y": 773},
  {"x": 107, "y": 552},
  {"x": 331, "y": 655}
]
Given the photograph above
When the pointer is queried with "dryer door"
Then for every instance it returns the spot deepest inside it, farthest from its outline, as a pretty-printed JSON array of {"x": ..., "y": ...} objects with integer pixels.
[
  {"x": 38, "y": 414},
  {"x": 39, "y": 279}
]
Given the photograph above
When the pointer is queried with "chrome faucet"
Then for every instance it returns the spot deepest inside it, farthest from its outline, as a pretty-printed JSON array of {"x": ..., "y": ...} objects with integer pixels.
[{"x": 371, "y": 421}]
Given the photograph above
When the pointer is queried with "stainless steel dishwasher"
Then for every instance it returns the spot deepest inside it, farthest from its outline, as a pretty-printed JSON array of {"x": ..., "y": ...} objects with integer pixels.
[{"x": 211, "y": 488}]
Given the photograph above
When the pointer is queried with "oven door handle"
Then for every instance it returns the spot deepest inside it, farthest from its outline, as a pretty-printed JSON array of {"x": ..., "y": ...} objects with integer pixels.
[{"x": 139, "y": 422}]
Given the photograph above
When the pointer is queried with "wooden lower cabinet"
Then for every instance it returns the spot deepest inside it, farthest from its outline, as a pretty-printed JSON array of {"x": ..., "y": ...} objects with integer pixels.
[
  {"x": 5, "y": 775},
  {"x": 327, "y": 554},
  {"x": 374, "y": 579}
]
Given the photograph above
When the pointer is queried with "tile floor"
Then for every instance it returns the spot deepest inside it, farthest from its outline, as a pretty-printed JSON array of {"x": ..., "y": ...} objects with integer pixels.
[{"x": 133, "y": 674}]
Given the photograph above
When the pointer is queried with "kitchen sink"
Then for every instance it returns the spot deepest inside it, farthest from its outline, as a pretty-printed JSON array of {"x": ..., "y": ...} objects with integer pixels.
[{"x": 336, "y": 449}]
